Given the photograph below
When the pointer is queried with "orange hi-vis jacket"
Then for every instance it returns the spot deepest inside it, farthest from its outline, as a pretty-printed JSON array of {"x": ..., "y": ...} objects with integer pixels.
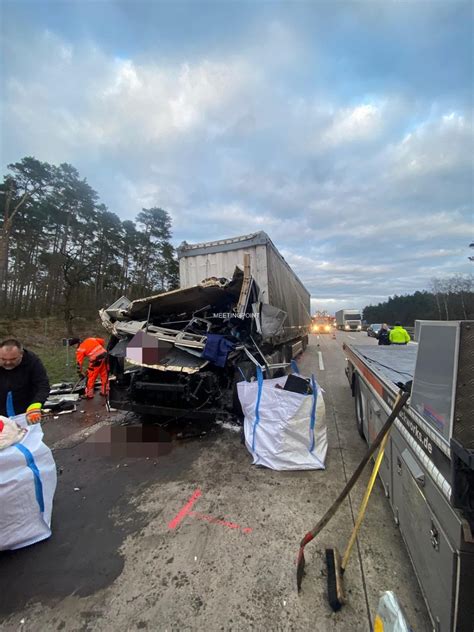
[{"x": 90, "y": 348}]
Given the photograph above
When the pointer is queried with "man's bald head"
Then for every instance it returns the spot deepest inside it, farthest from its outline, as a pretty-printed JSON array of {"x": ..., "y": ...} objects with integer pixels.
[{"x": 11, "y": 353}]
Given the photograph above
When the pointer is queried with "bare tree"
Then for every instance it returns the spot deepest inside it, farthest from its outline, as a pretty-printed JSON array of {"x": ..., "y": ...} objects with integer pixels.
[
  {"x": 436, "y": 289},
  {"x": 446, "y": 290},
  {"x": 463, "y": 286}
]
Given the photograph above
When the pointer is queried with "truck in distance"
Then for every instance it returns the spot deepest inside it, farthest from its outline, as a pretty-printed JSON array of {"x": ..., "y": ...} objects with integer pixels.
[{"x": 349, "y": 320}]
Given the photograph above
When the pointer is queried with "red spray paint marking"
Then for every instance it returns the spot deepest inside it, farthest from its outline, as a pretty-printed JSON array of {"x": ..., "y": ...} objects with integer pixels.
[
  {"x": 223, "y": 523},
  {"x": 185, "y": 510}
]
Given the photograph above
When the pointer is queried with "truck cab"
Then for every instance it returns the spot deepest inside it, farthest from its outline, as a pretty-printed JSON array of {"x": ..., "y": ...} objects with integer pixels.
[{"x": 349, "y": 320}]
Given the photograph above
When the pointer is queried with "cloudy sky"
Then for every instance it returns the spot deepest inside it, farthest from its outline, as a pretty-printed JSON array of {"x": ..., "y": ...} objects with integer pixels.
[{"x": 342, "y": 129}]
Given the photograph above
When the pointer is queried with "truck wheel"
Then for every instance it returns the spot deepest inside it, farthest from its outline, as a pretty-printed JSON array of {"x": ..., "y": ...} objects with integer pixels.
[
  {"x": 359, "y": 408},
  {"x": 281, "y": 359},
  {"x": 286, "y": 354}
]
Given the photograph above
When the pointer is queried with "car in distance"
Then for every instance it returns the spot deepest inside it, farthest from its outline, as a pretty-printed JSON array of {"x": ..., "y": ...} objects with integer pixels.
[{"x": 373, "y": 330}]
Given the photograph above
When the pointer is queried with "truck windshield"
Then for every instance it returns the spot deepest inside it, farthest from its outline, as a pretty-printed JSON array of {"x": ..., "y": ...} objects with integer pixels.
[{"x": 352, "y": 317}]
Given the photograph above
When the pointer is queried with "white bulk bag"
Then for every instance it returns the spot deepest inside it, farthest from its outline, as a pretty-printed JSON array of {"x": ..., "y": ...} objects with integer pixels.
[
  {"x": 10, "y": 432},
  {"x": 27, "y": 485},
  {"x": 283, "y": 430}
]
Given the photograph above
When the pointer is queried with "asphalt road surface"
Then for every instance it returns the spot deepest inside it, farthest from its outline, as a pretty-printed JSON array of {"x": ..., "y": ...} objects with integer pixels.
[{"x": 197, "y": 538}]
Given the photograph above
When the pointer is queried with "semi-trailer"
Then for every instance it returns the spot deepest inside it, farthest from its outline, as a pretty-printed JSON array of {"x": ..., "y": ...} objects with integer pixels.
[{"x": 180, "y": 354}]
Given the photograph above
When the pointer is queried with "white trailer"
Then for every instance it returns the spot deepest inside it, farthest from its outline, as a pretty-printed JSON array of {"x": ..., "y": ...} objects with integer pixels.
[
  {"x": 349, "y": 319},
  {"x": 279, "y": 286}
]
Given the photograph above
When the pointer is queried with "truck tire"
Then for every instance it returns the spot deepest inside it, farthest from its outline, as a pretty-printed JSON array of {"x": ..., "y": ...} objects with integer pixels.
[
  {"x": 359, "y": 407},
  {"x": 280, "y": 359}
]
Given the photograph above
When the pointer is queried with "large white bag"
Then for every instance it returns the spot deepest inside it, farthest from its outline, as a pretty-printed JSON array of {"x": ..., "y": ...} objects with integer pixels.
[
  {"x": 27, "y": 485},
  {"x": 283, "y": 430}
]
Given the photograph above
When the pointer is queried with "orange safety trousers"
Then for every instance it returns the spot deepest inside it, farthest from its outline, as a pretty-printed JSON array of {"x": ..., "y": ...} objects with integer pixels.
[
  {"x": 97, "y": 369},
  {"x": 93, "y": 349}
]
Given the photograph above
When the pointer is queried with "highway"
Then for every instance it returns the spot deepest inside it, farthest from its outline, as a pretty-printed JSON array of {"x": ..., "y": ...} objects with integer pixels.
[{"x": 199, "y": 539}]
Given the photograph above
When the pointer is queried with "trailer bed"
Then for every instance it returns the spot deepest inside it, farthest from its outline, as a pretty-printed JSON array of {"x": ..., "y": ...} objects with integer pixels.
[
  {"x": 417, "y": 476},
  {"x": 392, "y": 364}
]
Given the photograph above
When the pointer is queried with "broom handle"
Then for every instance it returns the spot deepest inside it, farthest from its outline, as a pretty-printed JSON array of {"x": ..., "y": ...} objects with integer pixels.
[
  {"x": 365, "y": 501},
  {"x": 400, "y": 401}
]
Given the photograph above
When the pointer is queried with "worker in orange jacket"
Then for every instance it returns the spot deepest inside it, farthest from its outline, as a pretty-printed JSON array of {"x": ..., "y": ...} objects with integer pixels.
[{"x": 94, "y": 350}]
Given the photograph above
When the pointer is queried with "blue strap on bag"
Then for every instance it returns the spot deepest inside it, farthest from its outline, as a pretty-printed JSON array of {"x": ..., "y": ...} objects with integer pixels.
[
  {"x": 10, "y": 407},
  {"x": 29, "y": 458},
  {"x": 294, "y": 367},
  {"x": 257, "y": 405},
  {"x": 30, "y": 462},
  {"x": 312, "y": 422}
]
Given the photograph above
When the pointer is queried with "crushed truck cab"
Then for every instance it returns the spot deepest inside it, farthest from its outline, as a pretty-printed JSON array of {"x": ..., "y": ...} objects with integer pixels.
[{"x": 180, "y": 354}]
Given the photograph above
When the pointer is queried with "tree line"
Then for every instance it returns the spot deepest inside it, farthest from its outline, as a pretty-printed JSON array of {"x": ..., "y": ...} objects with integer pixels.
[
  {"x": 450, "y": 298},
  {"x": 63, "y": 252}
]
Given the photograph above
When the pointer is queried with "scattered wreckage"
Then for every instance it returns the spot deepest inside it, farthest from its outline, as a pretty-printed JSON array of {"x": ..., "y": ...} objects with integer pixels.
[
  {"x": 180, "y": 354},
  {"x": 64, "y": 396}
]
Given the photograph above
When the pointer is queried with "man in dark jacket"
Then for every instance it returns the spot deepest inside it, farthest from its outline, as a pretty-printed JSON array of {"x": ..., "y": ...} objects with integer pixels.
[
  {"x": 384, "y": 335},
  {"x": 24, "y": 384}
]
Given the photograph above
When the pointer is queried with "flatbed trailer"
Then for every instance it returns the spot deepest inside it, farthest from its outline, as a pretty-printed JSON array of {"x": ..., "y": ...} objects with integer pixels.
[{"x": 428, "y": 485}]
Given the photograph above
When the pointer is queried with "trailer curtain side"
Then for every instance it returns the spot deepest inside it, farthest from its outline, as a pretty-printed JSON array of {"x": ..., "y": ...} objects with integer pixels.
[{"x": 279, "y": 286}]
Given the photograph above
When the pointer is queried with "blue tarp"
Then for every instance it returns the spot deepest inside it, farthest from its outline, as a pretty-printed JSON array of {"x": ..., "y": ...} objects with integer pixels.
[{"x": 217, "y": 349}]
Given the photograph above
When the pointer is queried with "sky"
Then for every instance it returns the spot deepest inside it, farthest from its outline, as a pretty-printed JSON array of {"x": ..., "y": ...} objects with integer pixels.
[{"x": 344, "y": 130}]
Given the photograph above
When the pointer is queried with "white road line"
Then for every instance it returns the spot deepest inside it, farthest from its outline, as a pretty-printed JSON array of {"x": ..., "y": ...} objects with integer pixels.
[
  {"x": 81, "y": 435},
  {"x": 321, "y": 363},
  {"x": 353, "y": 337}
]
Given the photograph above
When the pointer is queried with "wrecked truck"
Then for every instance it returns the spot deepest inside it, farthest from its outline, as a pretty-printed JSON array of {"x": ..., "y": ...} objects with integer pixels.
[{"x": 180, "y": 354}]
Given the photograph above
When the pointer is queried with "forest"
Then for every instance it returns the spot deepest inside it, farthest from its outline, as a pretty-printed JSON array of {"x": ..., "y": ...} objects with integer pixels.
[
  {"x": 450, "y": 298},
  {"x": 63, "y": 252}
]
